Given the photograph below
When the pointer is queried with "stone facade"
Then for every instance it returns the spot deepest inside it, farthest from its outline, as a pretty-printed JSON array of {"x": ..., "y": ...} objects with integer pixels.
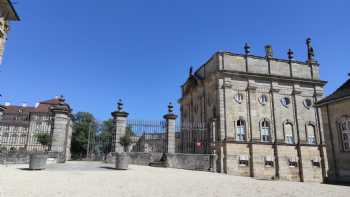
[
  {"x": 336, "y": 123},
  {"x": 20, "y": 124},
  {"x": 266, "y": 125},
  {"x": 7, "y": 14}
]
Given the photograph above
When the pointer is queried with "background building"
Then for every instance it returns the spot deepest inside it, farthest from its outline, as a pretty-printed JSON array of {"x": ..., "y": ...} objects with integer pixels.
[
  {"x": 266, "y": 125},
  {"x": 336, "y": 124},
  {"x": 20, "y": 124},
  {"x": 7, "y": 14}
]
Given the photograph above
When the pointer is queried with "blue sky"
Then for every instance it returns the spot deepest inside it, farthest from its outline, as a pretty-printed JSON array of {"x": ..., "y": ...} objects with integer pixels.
[{"x": 94, "y": 52}]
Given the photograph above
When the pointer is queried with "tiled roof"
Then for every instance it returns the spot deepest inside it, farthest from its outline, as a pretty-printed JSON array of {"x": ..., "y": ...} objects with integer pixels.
[
  {"x": 44, "y": 106},
  {"x": 342, "y": 92}
]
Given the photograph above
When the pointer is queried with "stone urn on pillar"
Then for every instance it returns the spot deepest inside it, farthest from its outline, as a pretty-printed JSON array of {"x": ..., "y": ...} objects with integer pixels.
[{"x": 122, "y": 138}]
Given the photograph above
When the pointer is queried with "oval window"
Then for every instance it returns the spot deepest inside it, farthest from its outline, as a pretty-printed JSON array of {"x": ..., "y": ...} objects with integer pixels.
[
  {"x": 307, "y": 103},
  {"x": 285, "y": 101},
  {"x": 263, "y": 99},
  {"x": 239, "y": 98}
]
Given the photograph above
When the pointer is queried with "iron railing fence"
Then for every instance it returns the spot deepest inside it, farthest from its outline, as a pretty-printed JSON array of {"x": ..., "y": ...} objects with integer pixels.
[
  {"x": 193, "y": 137},
  {"x": 18, "y": 131},
  {"x": 147, "y": 135}
]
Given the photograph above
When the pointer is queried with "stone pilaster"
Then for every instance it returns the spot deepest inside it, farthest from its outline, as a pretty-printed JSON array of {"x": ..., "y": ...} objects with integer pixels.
[
  {"x": 119, "y": 120},
  {"x": 170, "y": 119},
  {"x": 61, "y": 129}
]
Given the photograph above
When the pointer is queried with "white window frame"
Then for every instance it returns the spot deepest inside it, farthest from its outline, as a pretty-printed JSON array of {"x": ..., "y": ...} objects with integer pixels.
[
  {"x": 311, "y": 139},
  {"x": 265, "y": 133},
  {"x": 240, "y": 131},
  {"x": 345, "y": 132}
]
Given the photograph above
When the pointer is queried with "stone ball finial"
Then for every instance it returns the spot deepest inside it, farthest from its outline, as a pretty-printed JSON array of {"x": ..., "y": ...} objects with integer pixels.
[
  {"x": 170, "y": 108},
  {"x": 290, "y": 54},
  {"x": 246, "y": 48},
  {"x": 120, "y": 105}
]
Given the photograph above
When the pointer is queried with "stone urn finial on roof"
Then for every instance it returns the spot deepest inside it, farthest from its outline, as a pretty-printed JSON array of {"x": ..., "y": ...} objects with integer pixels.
[
  {"x": 246, "y": 48},
  {"x": 290, "y": 54},
  {"x": 120, "y": 105},
  {"x": 170, "y": 108}
]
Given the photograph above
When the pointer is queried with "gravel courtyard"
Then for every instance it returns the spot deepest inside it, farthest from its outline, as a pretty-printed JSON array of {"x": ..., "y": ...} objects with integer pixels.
[{"x": 96, "y": 179}]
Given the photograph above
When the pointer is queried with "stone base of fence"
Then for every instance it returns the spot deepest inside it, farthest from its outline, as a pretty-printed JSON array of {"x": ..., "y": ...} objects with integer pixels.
[
  {"x": 201, "y": 162},
  {"x": 23, "y": 158}
]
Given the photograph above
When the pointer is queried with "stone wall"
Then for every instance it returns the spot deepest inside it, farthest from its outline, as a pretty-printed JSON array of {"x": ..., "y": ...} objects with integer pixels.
[
  {"x": 202, "y": 162},
  {"x": 23, "y": 158}
]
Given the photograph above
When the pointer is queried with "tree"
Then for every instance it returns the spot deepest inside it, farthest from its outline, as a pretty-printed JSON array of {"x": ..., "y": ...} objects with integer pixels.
[
  {"x": 85, "y": 128},
  {"x": 44, "y": 139},
  {"x": 105, "y": 136}
]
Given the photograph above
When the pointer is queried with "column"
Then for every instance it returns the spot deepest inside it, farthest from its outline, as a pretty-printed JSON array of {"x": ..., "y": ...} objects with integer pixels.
[
  {"x": 119, "y": 120},
  {"x": 170, "y": 119},
  {"x": 59, "y": 136}
]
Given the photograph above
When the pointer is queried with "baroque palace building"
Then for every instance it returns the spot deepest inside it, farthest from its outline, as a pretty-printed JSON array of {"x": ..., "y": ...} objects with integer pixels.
[
  {"x": 263, "y": 108},
  {"x": 20, "y": 124}
]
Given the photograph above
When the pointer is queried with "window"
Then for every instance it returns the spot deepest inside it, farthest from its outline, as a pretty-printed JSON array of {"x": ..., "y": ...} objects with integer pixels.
[
  {"x": 316, "y": 162},
  {"x": 310, "y": 131},
  {"x": 285, "y": 101},
  {"x": 307, "y": 103},
  {"x": 263, "y": 99},
  {"x": 288, "y": 132},
  {"x": 243, "y": 160},
  {"x": 265, "y": 131},
  {"x": 344, "y": 126},
  {"x": 240, "y": 130},
  {"x": 293, "y": 162},
  {"x": 269, "y": 161},
  {"x": 239, "y": 98}
]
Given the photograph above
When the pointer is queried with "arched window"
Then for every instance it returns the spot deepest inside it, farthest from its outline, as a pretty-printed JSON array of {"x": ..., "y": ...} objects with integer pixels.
[
  {"x": 310, "y": 132},
  {"x": 344, "y": 126},
  {"x": 240, "y": 130},
  {"x": 265, "y": 131},
  {"x": 288, "y": 133}
]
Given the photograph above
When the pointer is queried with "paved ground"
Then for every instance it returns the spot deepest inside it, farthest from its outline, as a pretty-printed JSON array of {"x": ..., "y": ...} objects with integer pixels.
[{"x": 95, "y": 179}]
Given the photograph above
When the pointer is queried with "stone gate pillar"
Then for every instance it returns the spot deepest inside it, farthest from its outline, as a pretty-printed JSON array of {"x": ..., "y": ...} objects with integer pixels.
[
  {"x": 119, "y": 120},
  {"x": 170, "y": 119},
  {"x": 61, "y": 130}
]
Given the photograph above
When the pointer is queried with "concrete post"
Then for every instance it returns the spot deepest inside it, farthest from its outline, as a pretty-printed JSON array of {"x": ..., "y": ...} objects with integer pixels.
[
  {"x": 170, "y": 119},
  {"x": 119, "y": 120},
  {"x": 61, "y": 129}
]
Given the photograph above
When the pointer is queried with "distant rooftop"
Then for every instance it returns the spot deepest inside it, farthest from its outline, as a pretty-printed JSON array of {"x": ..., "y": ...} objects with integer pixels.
[{"x": 342, "y": 92}]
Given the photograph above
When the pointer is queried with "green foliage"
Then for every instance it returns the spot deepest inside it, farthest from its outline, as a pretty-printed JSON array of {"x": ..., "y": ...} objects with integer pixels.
[
  {"x": 12, "y": 149},
  {"x": 106, "y": 134},
  {"x": 126, "y": 139},
  {"x": 3, "y": 149},
  {"x": 43, "y": 138},
  {"x": 83, "y": 122}
]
